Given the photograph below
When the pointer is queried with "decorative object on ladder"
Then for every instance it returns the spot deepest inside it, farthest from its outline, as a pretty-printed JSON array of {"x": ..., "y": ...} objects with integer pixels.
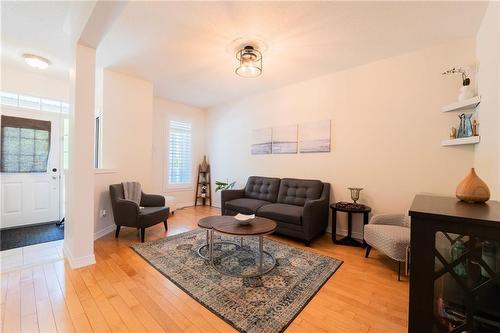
[{"x": 203, "y": 187}]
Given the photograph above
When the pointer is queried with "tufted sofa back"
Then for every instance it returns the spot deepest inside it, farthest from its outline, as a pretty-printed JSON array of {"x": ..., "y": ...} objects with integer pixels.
[
  {"x": 262, "y": 188},
  {"x": 297, "y": 191}
]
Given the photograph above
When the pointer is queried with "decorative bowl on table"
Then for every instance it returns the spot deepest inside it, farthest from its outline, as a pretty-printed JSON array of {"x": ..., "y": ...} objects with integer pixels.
[{"x": 244, "y": 219}]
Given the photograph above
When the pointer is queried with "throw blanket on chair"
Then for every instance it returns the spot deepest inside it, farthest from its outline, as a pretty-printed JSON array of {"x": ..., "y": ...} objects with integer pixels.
[{"x": 132, "y": 191}]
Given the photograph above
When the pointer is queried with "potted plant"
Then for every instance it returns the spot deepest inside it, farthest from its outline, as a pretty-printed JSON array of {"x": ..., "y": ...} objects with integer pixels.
[
  {"x": 220, "y": 185},
  {"x": 466, "y": 90}
]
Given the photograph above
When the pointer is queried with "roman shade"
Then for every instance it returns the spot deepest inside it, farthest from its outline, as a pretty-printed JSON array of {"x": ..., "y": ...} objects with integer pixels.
[
  {"x": 25, "y": 144},
  {"x": 16, "y": 122}
]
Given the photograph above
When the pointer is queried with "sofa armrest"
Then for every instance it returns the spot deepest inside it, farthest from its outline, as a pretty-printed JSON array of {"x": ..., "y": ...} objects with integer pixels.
[
  {"x": 391, "y": 219},
  {"x": 125, "y": 212},
  {"x": 152, "y": 200},
  {"x": 315, "y": 216},
  {"x": 227, "y": 195}
]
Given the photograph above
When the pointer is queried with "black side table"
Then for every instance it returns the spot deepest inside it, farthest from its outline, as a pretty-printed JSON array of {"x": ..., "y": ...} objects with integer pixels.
[{"x": 348, "y": 240}]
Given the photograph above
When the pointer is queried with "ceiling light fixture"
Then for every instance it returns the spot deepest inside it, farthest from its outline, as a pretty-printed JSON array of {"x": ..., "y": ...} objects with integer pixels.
[
  {"x": 36, "y": 61},
  {"x": 250, "y": 61}
]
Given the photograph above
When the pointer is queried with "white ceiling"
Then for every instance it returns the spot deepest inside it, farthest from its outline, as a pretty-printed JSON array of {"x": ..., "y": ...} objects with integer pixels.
[
  {"x": 182, "y": 47},
  {"x": 44, "y": 28}
]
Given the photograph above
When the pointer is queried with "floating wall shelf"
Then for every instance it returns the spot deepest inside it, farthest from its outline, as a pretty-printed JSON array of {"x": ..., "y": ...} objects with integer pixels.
[
  {"x": 468, "y": 104},
  {"x": 461, "y": 141}
]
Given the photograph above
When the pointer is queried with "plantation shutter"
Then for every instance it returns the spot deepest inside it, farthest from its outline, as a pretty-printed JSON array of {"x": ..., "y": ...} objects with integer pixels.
[{"x": 179, "y": 153}]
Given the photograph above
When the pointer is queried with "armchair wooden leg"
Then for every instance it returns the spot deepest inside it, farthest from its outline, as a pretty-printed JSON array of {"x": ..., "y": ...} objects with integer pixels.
[
  {"x": 117, "y": 232},
  {"x": 165, "y": 224},
  {"x": 368, "y": 249},
  {"x": 143, "y": 234}
]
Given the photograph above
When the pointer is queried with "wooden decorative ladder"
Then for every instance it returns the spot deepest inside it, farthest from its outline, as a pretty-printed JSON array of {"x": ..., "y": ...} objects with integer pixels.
[{"x": 203, "y": 180}]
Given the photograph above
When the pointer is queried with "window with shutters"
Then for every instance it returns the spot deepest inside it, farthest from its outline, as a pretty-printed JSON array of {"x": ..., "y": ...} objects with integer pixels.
[{"x": 179, "y": 153}]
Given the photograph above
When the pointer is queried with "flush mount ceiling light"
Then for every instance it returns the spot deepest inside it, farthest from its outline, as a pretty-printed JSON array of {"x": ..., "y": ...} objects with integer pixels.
[
  {"x": 250, "y": 61},
  {"x": 36, "y": 61}
]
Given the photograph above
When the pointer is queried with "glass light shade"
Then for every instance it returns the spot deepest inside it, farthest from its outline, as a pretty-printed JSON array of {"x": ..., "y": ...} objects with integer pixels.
[
  {"x": 36, "y": 61},
  {"x": 248, "y": 70},
  {"x": 250, "y": 62}
]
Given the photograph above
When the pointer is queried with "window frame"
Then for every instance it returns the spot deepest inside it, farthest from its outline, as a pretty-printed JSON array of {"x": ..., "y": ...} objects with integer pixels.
[
  {"x": 39, "y": 103},
  {"x": 98, "y": 141},
  {"x": 173, "y": 187},
  {"x": 64, "y": 143}
]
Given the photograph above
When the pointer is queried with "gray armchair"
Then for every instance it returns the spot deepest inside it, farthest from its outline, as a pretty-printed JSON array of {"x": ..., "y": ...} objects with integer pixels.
[
  {"x": 127, "y": 213},
  {"x": 389, "y": 234}
]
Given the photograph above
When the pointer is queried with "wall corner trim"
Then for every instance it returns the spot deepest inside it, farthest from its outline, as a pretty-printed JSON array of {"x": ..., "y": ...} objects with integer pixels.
[
  {"x": 78, "y": 262},
  {"x": 104, "y": 231}
]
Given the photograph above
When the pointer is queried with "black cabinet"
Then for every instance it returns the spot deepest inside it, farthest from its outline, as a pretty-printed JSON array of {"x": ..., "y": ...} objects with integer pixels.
[{"x": 455, "y": 266}]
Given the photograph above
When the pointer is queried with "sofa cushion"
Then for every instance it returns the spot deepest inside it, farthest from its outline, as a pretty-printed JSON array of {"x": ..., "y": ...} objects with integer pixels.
[
  {"x": 282, "y": 212},
  {"x": 245, "y": 205},
  {"x": 262, "y": 188},
  {"x": 149, "y": 216},
  {"x": 298, "y": 191}
]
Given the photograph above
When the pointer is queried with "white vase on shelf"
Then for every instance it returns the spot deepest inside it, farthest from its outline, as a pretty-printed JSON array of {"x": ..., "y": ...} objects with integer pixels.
[{"x": 466, "y": 92}]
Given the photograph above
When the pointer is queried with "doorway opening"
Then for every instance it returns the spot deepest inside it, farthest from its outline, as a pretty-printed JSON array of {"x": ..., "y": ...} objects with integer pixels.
[{"x": 34, "y": 141}]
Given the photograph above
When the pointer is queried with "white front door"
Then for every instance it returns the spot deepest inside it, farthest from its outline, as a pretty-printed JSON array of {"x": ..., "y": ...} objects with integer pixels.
[{"x": 30, "y": 198}]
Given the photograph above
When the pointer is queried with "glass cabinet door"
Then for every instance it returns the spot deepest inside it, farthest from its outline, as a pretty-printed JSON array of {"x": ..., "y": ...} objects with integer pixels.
[{"x": 466, "y": 284}]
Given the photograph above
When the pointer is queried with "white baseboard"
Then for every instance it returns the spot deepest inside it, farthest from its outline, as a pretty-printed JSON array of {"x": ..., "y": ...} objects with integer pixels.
[
  {"x": 104, "y": 231},
  {"x": 185, "y": 204},
  {"x": 78, "y": 262}
]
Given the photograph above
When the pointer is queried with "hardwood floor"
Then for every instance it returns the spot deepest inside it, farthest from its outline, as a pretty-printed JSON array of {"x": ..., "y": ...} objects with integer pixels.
[{"x": 122, "y": 293}]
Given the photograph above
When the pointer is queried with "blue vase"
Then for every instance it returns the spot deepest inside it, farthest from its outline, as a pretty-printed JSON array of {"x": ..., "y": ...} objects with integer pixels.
[{"x": 465, "y": 127}]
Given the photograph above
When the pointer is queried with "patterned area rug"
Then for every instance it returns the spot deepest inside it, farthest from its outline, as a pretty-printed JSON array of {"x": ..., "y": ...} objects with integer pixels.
[{"x": 261, "y": 304}]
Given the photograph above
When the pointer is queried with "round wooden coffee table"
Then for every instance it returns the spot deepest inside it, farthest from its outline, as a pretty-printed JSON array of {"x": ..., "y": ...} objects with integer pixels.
[
  {"x": 258, "y": 227},
  {"x": 206, "y": 223}
]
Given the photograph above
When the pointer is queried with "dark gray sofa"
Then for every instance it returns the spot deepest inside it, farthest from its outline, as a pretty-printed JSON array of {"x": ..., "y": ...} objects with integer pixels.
[{"x": 299, "y": 206}]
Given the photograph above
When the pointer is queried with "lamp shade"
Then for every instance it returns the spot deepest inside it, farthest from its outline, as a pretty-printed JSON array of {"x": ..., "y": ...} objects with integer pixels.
[{"x": 250, "y": 62}]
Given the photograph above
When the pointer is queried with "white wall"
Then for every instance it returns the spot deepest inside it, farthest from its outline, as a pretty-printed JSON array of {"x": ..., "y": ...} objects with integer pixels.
[
  {"x": 127, "y": 108},
  {"x": 386, "y": 129},
  {"x": 487, "y": 153},
  {"x": 127, "y": 111},
  {"x": 24, "y": 81},
  {"x": 164, "y": 111},
  {"x": 102, "y": 180},
  {"x": 78, "y": 240}
]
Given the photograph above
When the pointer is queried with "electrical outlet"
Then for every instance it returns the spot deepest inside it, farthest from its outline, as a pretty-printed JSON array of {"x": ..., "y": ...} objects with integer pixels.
[{"x": 102, "y": 213}]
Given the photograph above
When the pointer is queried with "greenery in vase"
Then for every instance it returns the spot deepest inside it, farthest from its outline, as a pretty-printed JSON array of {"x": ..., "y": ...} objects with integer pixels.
[{"x": 219, "y": 185}]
